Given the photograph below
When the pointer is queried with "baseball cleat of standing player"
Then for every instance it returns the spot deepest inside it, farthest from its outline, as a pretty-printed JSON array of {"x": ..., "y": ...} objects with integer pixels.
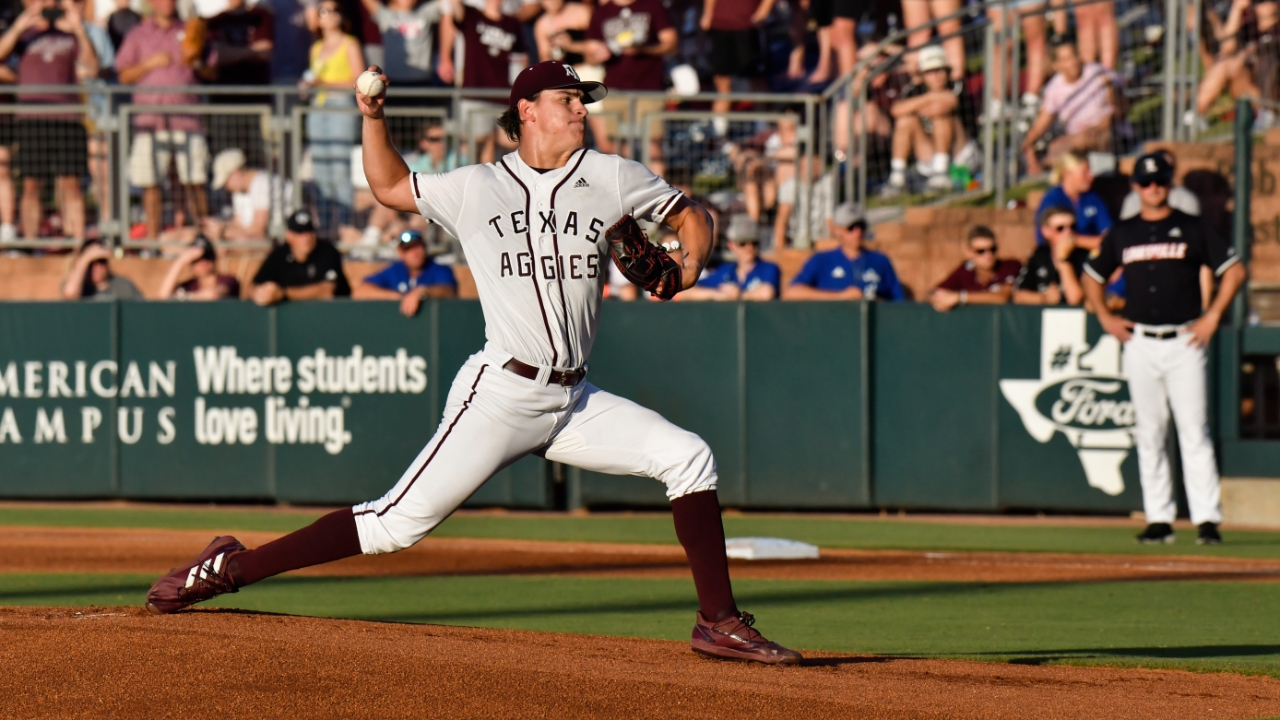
[
  {"x": 202, "y": 579},
  {"x": 539, "y": 227}
]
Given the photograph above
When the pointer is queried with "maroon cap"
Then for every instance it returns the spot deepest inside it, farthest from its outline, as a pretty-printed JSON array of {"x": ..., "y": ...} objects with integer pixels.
[{"x": 554, "y": 75}]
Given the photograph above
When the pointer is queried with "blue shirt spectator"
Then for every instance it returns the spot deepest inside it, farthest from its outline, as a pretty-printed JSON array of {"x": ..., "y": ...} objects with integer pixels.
[
  {"x": 1074, "y": 179},
  {"x": 762, "y": 273},
  {"x": 410, "y": 279},
  {"x": 398, "y": 278},
  {"x": 747, "y": 277},
  {"x": 848, "y": 272}
]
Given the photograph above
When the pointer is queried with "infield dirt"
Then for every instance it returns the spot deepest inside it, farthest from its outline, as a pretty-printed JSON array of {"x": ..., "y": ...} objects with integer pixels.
[{"x": 124, "y": 663}]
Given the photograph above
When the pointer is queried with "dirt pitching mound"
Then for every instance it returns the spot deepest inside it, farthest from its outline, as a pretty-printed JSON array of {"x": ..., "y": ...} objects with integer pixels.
[
  {"x": 123, "y": 663},
  {"x": 34, "y": 549}
]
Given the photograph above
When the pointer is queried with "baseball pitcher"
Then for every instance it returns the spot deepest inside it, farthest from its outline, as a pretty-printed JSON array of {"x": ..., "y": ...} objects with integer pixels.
[{"x": 538, "y": 227}]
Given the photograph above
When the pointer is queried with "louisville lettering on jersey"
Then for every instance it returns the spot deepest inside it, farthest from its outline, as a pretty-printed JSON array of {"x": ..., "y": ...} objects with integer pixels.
[{"x": 1154, "y": 251}]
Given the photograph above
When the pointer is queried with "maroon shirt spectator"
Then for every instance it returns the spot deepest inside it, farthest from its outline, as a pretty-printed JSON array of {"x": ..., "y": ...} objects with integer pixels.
[
  {"x": 239, "y": 43},
  {"x": 967, "y": 277},
  {"x": 627, "y": 30},
  {"x": 488, "y": 44},
  {"x": 983, "y": 279},
  {"x": 141, "y": 44},
  {"x": 50, "y": 145}
]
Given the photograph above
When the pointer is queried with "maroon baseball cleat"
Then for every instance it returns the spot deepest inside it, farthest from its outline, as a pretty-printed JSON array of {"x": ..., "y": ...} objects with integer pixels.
[
  {"x": 204, "y": 578},
  {"x": 734, "y": 639}
]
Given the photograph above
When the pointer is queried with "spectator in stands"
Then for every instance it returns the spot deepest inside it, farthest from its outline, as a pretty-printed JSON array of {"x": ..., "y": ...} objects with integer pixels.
[
  {"x": 1052, "y": 275},
  {"x": 630, "y": 38},
  {"x": 850, "y": 271},
  {"x": 292, "y": 36},
  {"x": 151, "y": 56},
  {"x": 490, "y": 40},
  {"x": 408, "y": 29},
  {"x": 434, "y": 156},
  {"x": 238, "y": 44},
  {"x": 748, "y": 278},
  {"x": 199, "y": 265},
  {"x": 561, "y": 31},
  {"x": 410, "y": 279},
  {"x": 928, "y": 125},
  {"x": 256, "y": 196},
  {"x": 983, "y": 279},
  {"x": 121, "y": 21},
  {"x": 1096, "y": 32},
  {"x": 233, "y": 48},
  {"x": 1035, "y": 42},
  {"x": 91, "y": 277},
  {"x": 1072, "y": 179},
  {"x": 916, "y": 14},
  {"x": 303, "y": 268},
  {"x": 734, "y": 27},
  {"x": 1079, "y": 96},
  {"x": 336, "y": 60},
  {"x": 1180, "y": 198},
  {"x": 52, "y": 48},
  {"x": 1245, "y": 54}
]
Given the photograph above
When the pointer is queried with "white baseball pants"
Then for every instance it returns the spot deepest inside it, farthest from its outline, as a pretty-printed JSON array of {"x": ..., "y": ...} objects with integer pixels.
[
  {"x": 493, "y": 418},
  {"x": 1166, "y": 374}
]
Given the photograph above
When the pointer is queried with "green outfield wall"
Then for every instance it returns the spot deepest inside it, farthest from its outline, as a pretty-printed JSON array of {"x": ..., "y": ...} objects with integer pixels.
[{"x": 806, "y": 405}]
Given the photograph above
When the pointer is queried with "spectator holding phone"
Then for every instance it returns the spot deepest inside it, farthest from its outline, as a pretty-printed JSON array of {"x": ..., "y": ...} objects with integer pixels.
[{"x": 53, "y": 49}]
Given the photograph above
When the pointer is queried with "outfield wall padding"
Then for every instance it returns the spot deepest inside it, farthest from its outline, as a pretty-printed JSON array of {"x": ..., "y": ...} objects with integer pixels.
[{"x": 806, "y": 405}]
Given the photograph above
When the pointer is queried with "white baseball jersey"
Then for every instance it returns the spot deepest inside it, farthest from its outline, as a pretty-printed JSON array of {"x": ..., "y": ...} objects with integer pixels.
[{"x": 535, "y": 243}]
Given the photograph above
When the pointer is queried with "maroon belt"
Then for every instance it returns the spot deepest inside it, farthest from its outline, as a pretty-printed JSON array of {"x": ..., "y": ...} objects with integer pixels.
[{"x": 567, "y": 378}]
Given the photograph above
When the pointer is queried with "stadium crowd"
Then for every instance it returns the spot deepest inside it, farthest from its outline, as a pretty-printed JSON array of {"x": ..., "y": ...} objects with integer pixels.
[{"x": 203, "y": 177}]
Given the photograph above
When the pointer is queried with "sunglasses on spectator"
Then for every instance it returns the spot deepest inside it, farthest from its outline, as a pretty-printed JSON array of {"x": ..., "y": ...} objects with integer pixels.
[
  {"x": 434, "y": 138},
  {"x": 1062, "y": 228},
  {"x": 1149, "y": 183},
  {"x": 328, "y": 11},
  {"x": 985, "y": 250}
]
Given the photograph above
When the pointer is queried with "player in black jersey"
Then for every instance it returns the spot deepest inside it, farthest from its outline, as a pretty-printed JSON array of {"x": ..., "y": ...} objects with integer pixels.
[{"x": 1165, "y": 331}]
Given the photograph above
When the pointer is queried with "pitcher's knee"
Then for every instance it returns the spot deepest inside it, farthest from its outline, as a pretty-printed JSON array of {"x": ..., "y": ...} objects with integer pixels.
[
  {"x": 390, "y": 532},
  {"x": 691, "y": 467}
]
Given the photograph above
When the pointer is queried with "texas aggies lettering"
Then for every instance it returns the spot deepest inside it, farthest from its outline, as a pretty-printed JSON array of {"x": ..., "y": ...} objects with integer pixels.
[{"x": 507, "y": 215}]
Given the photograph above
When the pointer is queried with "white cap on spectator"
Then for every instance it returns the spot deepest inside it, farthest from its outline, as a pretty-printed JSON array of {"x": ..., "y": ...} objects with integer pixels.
[
  {"x": 227, "y": 162},
  {"x": 932, "y": 58},
  {"x": 742, "y": 228}
]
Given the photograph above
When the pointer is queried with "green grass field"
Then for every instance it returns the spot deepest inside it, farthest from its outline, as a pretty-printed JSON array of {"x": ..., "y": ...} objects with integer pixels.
[
  {"x": 865, "y": 532},
  {"x": 1203, "y": 626}
]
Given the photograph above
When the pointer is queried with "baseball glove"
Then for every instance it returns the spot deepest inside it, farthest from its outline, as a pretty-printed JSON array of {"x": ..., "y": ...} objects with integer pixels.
[{"x": 642, "y": 262}]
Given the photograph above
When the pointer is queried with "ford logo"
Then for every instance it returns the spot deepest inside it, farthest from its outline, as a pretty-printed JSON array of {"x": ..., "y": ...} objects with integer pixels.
[{"x": 1087, "y": 403}]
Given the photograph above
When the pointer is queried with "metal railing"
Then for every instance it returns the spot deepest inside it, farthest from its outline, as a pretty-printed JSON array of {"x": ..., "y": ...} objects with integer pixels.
[
  {"x": 272, "y": 124},
  {"x": 1148, "y": 99}
]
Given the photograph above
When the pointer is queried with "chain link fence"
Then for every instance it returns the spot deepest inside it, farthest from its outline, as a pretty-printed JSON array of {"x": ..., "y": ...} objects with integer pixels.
[
  {"x": 150, "y": 172},
  {"x": 1007, "y": 117}
]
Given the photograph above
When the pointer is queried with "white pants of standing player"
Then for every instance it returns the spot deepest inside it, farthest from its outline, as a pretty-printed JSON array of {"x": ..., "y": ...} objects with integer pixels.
[
  {"x": 493, "y": 418},
  {"x": 1163, "y": 375}
]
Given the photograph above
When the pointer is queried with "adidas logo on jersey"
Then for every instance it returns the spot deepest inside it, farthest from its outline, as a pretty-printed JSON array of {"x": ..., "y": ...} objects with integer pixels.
[{"x": 582, "y": 182}]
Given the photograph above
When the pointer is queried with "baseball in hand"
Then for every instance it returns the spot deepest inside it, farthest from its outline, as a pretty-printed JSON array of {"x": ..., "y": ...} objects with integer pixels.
[{"x": 370, "y": 84}]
